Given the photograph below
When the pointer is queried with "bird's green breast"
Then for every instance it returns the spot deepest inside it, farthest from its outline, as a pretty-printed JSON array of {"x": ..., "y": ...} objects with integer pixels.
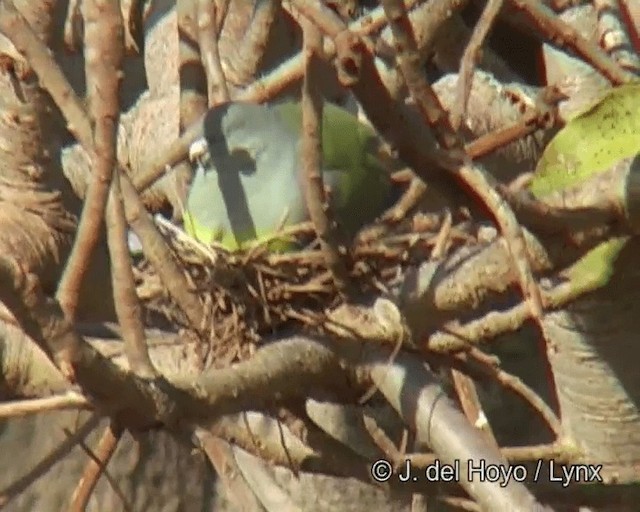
[{"x": 350, "y": 164}]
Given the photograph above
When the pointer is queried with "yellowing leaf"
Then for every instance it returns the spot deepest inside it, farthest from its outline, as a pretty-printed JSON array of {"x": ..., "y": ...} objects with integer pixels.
[
  {"x": 594, "y": 269},
  {"x": 591, "y": 142}
]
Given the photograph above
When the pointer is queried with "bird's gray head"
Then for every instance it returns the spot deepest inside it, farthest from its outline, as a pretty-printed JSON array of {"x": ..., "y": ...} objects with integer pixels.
[
  {"x": 212, "y": 135},
  {"x": 235, "y": 117},
  {"x": 239, "y": 127},
  {"x": 213, "y": 122}
]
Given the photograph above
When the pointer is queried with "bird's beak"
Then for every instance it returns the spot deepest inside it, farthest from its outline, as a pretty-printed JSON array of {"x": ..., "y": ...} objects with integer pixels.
[{"x": 198, "y": 151}]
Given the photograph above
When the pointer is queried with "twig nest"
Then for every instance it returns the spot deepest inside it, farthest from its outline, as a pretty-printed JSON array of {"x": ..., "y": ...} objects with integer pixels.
[{"x": 255, "y": 293}]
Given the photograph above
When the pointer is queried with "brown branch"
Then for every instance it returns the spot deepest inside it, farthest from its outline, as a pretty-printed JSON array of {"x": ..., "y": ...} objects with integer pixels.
[
  {"x": 291, "y": 367},
  {"x": 470, "y": 403},
  {"x": 312, "y": 127},
  {"x": 481, "y": 183},
  {"x": 130, "y": 400},
  {"x": 451, "y": 338},
  {"x": 409, "y": 200},
  {"x": 558, "y": 32},
  {"x": 103, "y": 57},
  {"x": 127, "y": 303},
  {"x": 631, "y": 12},
  {"x": 516, "y": 385},
  {"x": 390, "y": 117},
  {"x": 292, "y": 70},
  {"x": 94, "y": 469},
  {"x": 344, "y": 423},
  {"x": 558, "y": 452},
  {"x": 18, "y": 487},
  {"x": 17, "y": 29},
  {"x": 161, "y": 257},
  {"x": 409, "y": 63},
  {"x": 470, "y": 58},
  {"x": 37, "y": 405},
  {"x": 544, "y": 116},
  {"x": 220, "y": 453},
  {"x": 419, "y": 399},
  {"x": 217, "y": 90},
  {"x": 614, "y": 36}
]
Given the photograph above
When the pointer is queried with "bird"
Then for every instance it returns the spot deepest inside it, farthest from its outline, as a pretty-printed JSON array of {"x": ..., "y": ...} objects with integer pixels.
[{"x": 249, "y": 181}]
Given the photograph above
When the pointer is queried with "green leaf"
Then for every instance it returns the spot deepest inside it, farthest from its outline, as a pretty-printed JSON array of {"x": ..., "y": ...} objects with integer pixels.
[
  {"x": 595, "y": 139},
  {"x": 594, "y": 269}
]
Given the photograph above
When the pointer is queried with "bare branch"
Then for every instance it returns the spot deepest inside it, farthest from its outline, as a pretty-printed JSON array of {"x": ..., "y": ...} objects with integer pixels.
[
  {"x": 103, "y": 56},
  {"x": 293, "y": 366},
  {"x": 217, "y": 90},
  {"x": 69, "y": 400},
  {"x": 127, "y": 303},
  {"x": 16, "y": 488},
  {"x": 94, "y": 469},
  {"x": 417, "y": 397},
  {"x": 469, "y": 59},
  {"x": 221, "y": 455},
  {"x": 312, "y": 127},
  {"x": 17, "y": 29},
  {"x": 156, "y": 250},
  {"x": 555, "y": 30}
]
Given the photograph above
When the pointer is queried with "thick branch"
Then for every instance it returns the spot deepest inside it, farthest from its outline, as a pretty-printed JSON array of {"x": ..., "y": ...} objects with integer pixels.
[{"x": 417, "y": 396}]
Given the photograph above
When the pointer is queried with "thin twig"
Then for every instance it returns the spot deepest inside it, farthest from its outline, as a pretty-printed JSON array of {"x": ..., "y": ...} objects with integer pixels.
[
  {"x": 217, "y": 90},
  {"x": 470, "y": 403},
  {"x": 515, "y": 384},
  {"x": 409, "y": 200},
  {"x": 559, "y": 32},
  {"x": 312, "y": 126},
  {"x": 127, "y": 303},
  {"x": 557, "y": 451},
  {"x": 17, "y": 408},
  {"x": 409, "y": 63},
  {"x": 470, "y": 58},
  {"x": 452, "y": 338},
  {"x": 94, "y": 469},
  {"x": 103, "y": 56},
  {"x": 160, "y": 256},
  {"x": 20, "y": 485},
  {"x": 475, "y": 178},
  {"x": 52, "y": 79},
  {"x": 238, "y": 490},
  {"x": 488, "y": 143},
  {"x": 614, "y": 36}
]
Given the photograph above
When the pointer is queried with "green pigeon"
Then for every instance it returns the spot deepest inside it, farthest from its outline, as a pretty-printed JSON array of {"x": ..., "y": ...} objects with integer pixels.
[{"x": 248, "y": 181}]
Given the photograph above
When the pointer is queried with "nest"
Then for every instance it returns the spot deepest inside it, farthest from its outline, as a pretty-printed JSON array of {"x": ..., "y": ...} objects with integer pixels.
[{"x": 257, "y": 293}]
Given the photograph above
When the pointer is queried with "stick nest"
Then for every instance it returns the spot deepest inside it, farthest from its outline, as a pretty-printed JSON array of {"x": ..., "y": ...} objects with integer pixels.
[{"x": 256, "y": 293}]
